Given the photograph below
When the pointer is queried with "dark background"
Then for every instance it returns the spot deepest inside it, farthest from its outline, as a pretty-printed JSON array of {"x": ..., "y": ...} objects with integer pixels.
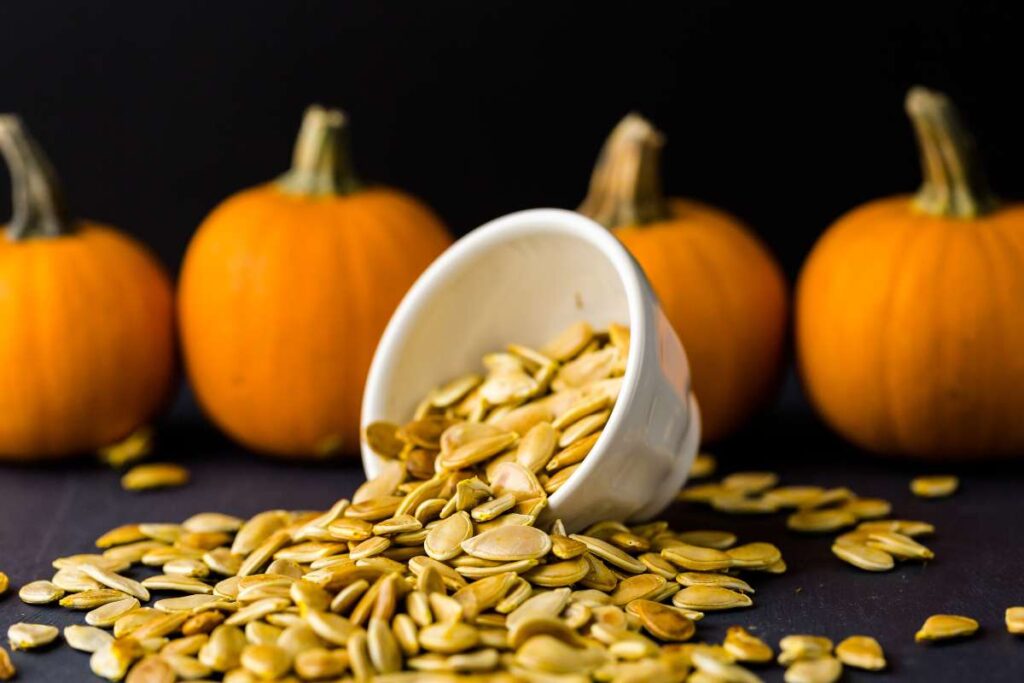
[{"x": 787, "y": 114}]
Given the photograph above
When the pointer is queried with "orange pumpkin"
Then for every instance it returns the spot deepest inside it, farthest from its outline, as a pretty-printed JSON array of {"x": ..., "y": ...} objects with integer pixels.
[
  {"x": 724, "y": 294},
  {"x": 86, "y": 321},
  {"x": 285, "y": 290},
  {"x": 910, "y": 309}
]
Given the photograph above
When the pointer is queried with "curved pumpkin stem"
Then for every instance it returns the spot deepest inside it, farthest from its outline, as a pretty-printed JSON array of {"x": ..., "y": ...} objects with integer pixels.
[
  {"x": 954, "y": 182},
  {"x": 36, "y": 197},
  {"x": 625, "y": 188},
  {"x": 322, "y": 162}
]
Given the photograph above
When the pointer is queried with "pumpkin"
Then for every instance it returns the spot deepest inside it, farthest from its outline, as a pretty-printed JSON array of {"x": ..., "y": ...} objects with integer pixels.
[
  {"x": 910, "y": 309},
  {"x": 285, "y": 289},
  {"x": 86, "y": 321},
  {"x": 719, "y": 286}
]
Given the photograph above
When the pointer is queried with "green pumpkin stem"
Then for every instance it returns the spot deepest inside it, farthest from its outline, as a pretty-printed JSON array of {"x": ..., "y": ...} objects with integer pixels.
[
  {"x": 954, "y": 182},
  {"x": 625, "y": 188},
  {"x": 36, "y": 197},
  {"x": 322, "y": 162}
]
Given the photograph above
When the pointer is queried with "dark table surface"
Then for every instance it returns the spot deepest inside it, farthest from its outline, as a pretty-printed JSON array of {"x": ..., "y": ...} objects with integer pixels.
[{"x": 46, "y": 512}]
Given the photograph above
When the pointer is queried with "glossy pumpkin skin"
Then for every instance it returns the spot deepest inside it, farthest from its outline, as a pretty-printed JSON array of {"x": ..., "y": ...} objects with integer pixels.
[
  {"x": 726, "y": 298},
  {"x": 282, "y": 299},
  {"x": 910, "y": 329},
  {"x": 86, "y": 342}
]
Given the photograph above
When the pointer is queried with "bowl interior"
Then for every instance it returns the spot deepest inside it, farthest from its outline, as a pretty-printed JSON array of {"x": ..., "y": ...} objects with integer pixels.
[{"x": 523, "y": 284}]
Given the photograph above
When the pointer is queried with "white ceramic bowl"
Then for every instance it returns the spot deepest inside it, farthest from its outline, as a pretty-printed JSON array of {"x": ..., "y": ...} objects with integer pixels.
[{"x": 523, "y": 278}]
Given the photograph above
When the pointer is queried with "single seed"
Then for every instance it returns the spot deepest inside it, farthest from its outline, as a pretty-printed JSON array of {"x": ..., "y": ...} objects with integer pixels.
[
  {"x": 696, "y": 558},
  {"x": 821, "y": 670},
  {"x": 944, "y": 626},
  {"x": 708, "y": 538},
  {"x": 750, "y": 482},
  {"x": 265, "y": 661},
  {"x": 108, "y": 614},
  {"x": 40, "y": 593},
  {"x": 86, "y": 638},
  {"x": 746, "y": 647},
  {"x": 899, "y": 545},
  {"x": 116, "y": 581},
  {"x": 863, "y": 556},
  {"x": 508, "y": 544},
  {"x": 934, "y": 486},
  {"x": 663, "y": 622},
  {"x": 154, "y": 475},
  {"x": 711, "y": 579},
  {"x": 704, "y": 465},
  {"x": 1015, "y": 620},
  {"x": 798, "y": 647},
  {"x": 861, "y": 652},
  {"x": 815, "y": 521},
  {"x": 710, "y": 598},
  {"x": 92, "y": 599},
  {"x": 23, "y": 636},
  {"x": 7, "y": 670}
]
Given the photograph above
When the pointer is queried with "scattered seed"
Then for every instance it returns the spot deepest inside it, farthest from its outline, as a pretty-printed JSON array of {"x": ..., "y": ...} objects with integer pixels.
[
  {"x": 816, "y": 521},
  {"x": 40, "y": 593},
  {"x": 154, "y": 475},
  {"x": 86, "y": 638},
  {"x": 24, "y": 636},
  {"x": 861, "y": 652},
  {"x": 944, "y": 626},
  {"x": 821, "y": 670},
  {"x": 863, "y": 556},
  {"x": 934, "y": 486}
]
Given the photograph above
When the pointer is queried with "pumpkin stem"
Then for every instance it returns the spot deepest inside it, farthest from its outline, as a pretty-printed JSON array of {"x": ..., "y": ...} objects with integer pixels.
[
  {"x": 954, "y": 182},
  {"x": 625, "y": 188},
  {"x": 36, "y": 197},
  {"x": 322, "y": 162}
]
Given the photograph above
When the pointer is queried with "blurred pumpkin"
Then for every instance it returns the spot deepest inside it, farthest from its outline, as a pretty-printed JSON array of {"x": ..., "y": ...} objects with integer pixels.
[
  {"x": 86, "y": 321},
  {"x": 286, "y": 288},
  {"x": 719, "y": 286},
  {"x": 910, "y": 309}
]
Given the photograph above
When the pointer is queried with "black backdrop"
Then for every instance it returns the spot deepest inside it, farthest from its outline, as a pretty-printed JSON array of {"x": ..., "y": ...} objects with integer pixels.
[{"x": 154, "y": 111}]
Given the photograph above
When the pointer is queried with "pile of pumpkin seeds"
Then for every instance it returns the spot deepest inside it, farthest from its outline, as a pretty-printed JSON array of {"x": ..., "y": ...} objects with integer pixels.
[
  {"x": 542, "y": 409},
  {"x": 444, "y": 575}
]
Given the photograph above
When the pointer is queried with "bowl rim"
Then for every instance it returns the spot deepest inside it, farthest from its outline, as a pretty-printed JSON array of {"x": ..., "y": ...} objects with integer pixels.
[{"x": 509, "y": 227}]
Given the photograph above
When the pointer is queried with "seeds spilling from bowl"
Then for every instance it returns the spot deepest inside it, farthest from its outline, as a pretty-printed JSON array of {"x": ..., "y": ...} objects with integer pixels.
[
  {"x": 443, "y": 575},
  {"x": 531, "y": 418}
]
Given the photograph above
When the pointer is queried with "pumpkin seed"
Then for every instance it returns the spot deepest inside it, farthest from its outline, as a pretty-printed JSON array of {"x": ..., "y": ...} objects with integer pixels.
[
  {"x": 113, "y": 660},
  {"x": 1015, "y": 620},
  {"x": 177, "y": 582},
  {"x": 40, "y": 593},
  {"x": 444, "y": 541},
  {"x": 934, "y": 486},
  {"x": 899, "y": 545},
  {"x": 223, "y": 651},
  {"x": 666, "y": 623},
  {"x": 115, "y": 581},
  {"x": 184, "y": 666},
  {"x": 815, "y": 521},
  {"x": 704, "y": 465},
  {"x": 821, "y": 670},
  {"x": 754, "y": 555},
  {"x": 108, "y": 614},
  {"x": 132, "y": 448},
  {"x": 151, "y": 669},
  {"x": 5, "y": 583},
  {"x": 799, "y": 647},
  {"x": 735, "y": 503},
  {"x": 697, "y": 558},
  {"x": 188, "y": 603},
  {"x": 318, "y": 663},
  {"x": 944, "y": 626},
  {"x": 793, "y": 496},
  {"x": 710, "y": 598},
  {"x": 861, "y": 652},
  {"x": 863, "y": 556},
  {"x": 719, "y": 668},
  {"x": 265, "y": 661},
  {"x": 508, "y": 544},
  {"x": 750, "y": 482},
  {"x": 202, "y": 623},
  {"x": 610, "y": 554},
  {"x": 7, "y": 669},
  {"x": 868, "y": 508},
  {"x": 559, "y": 574},
  {"x": 86, "y": 638},
  {"x": 154, "y": 475},
  {"x": 547, "y": 654},
  {"x": 92, "y": 599},
  {"x": 23, "y": 636},
  {"x": 711, "y": 579},
  {"x": 746, "y": 647},
  {"x": 901, "y": 526}
]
